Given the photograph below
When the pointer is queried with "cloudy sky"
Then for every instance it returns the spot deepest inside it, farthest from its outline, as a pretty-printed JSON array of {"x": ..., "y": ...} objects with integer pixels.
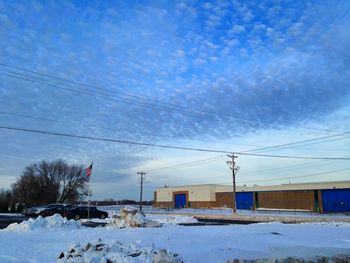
[{"x": 235, "y": 76}]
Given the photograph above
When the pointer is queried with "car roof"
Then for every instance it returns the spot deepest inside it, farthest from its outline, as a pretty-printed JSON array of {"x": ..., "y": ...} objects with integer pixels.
[{"x": 84, "y": 206}]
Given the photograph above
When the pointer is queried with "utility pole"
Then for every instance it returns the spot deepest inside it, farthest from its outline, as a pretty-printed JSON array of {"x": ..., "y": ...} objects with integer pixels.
[
  {"x": 142, "y": 178},
  {"x": 234, "y": 169}
]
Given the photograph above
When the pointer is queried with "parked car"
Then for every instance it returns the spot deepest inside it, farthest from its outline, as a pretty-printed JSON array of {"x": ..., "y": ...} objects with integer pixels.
[
  {"x": 33, "y": 211},
  {"x": 82, "y": 212},
  {"x": 55, "y": 209}
]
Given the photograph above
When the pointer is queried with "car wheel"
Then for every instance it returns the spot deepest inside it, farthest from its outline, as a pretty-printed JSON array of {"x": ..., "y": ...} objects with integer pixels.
[
  {"x": 76, "y": 217},
  {"x": 102, "y": 216}
]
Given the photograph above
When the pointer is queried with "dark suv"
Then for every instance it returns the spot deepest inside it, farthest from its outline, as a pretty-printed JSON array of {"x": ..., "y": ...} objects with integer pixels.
[
  {"x": 55, "y": 209},
  {"x": 82, "y": 212}
]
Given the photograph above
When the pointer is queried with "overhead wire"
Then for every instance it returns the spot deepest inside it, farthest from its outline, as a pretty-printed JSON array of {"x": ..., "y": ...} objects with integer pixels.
[
  {"x": 131, "y": 99},
  {"x": 107, "y": 128},
  {"x": 263, "y": 172},
  {"x": 293, "y": 177},
  {"x": 286, "y": 145},
  {"x": 74, "y": 123},
  {"x": 116, "y": 98},
  {"x": 158, "y": 136},
  {"x": 242, "y": 153},
  {"x": 166, "y": 146},
  {"x": 186, "y": 164}
]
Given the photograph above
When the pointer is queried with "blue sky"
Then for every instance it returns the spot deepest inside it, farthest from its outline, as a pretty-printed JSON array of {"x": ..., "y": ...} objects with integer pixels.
[{"x": 231, "y": 75}]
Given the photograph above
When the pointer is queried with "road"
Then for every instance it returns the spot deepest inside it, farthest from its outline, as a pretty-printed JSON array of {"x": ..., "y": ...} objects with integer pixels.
[{"x": 6, "y": 219}]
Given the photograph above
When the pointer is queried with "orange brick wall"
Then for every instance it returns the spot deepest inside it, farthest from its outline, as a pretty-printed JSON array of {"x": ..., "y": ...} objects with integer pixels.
[
  {"x": 201, "y": 204},
  {"x": 287, "y": 200},
  {"x": 224, "y": 199},
  {"x": 163, "y": 204}
]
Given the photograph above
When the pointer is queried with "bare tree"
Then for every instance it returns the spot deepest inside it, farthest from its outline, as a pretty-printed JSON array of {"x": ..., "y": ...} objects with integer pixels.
[
  {"x": 5, "y": 200},
  {"x": 50, "y": 182}
]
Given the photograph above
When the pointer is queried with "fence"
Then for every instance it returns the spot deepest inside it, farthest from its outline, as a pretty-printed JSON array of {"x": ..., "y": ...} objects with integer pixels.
[{"x": 220, "y": 211}]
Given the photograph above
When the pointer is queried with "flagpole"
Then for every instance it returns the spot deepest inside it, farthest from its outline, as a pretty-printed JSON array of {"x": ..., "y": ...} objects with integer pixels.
[{"x": 89, "y": 201}]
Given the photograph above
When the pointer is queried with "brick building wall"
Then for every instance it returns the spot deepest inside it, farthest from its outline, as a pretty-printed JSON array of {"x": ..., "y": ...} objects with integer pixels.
[
  {"x": 303, "y": 200},
  {"x": 224, "y": 199}
]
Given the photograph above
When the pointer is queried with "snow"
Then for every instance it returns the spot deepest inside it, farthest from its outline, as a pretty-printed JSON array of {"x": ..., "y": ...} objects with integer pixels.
[
  {"x": 11, "y": 214},
  {"x": 171, "y": 220},
  {"x": 131, "y": 217},
  {"x": 39, "y": 223},
  {"x": 192, "y": 243},
  {"x": 116, "y": 252},
  {"x": 125, "y": 240},
  {"x": 128, "y": 217}
]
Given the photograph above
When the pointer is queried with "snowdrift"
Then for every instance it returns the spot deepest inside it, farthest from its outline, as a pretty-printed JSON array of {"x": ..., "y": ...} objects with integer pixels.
[
  {"x": 131, "y": 217},
  {"x": 116, "y": 252},
  {"x": 55, "y": 221}
]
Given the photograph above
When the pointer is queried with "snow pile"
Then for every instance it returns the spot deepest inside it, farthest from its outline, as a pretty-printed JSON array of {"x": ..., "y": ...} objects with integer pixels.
[
  {"x": 55, "y": 221},
  {"x": 171, "y": 220},
  {"x": 115, "y": 252},
  {"x": 129, "y": 217}
]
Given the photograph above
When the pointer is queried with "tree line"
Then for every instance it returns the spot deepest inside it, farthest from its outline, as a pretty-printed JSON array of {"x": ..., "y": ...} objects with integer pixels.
[{"x": 44, "y": 183}]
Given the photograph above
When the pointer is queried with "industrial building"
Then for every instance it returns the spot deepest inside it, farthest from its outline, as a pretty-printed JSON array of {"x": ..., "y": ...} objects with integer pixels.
[{"x": 323, "y": 197}]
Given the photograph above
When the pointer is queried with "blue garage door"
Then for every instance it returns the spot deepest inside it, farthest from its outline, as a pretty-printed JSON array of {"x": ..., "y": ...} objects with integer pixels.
[
  {"x": 244, "y": 200},
  {"x": 180, "y": 200},
  {"x": 337, "y": 200}
]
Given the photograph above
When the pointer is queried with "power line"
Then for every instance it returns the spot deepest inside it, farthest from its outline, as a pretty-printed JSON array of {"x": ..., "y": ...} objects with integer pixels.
[
  {"x": 148, "y": 134},
  {"x": 116, "y": 98},
  {"x": 135, "y": 188},
  {"x": 346, "y": 134},
  {"x": 85, "y": 84},
  {"x": 249, "y": 173},
  {"x": 130, "y": 98},
  {"x": 188, "y": 163},
  {"x": 294, "y": 177},
  {"x": 104, "y": 128},
  {"x": 289, "y": 167},
  {"x": 273, "y": 170},
  {"x": 168, "y": 146}
]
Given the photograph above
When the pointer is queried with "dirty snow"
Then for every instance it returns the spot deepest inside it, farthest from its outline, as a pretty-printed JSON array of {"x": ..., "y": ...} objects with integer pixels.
[
  {"x": 39, "y": 223},
  {"x": 128, "y": 217},
  {"x": 116, "y": 252}
]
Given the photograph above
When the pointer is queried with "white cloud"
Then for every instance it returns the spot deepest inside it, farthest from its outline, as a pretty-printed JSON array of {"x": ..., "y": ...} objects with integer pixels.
[
  {"x": 165, "y": 54},
  {"x": 238, "y": 29}
]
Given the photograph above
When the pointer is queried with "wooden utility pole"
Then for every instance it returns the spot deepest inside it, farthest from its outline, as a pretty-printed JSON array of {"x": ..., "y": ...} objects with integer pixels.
[
  {"x": 234, "y": 169},
  {"x": 142, "y": 178}
]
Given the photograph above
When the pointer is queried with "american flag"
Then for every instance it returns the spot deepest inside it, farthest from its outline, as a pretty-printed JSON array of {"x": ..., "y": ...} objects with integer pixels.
[{"x": 88, "y": 170}]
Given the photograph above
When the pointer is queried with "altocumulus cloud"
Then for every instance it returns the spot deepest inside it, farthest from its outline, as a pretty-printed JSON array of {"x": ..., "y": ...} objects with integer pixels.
[{"x": 271, "y": 64}]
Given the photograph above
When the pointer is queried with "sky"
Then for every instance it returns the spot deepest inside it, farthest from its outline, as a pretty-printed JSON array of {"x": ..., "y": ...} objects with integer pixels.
[{"x": 232, "y": 76}]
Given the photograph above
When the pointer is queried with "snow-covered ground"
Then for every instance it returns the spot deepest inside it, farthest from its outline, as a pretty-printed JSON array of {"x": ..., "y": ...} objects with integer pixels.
[
  {"x": 171, "y": 220},
  {"x": 46, "y": 241}
]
